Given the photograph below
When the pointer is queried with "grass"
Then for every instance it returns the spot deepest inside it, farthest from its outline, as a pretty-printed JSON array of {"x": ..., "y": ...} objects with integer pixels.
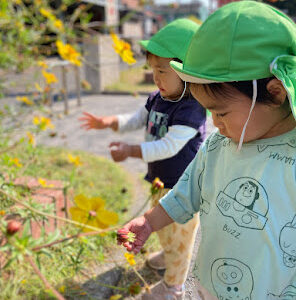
[
  {"x": 96, "y": 177},
  {"x": 132, "y": 81},
  {"x": 69, "y": 265}
]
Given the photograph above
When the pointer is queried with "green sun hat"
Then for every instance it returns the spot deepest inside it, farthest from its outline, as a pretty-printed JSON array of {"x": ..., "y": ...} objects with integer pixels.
[
  {"x": 172, "y": 40},
  {"x": 241, "y": 41}
]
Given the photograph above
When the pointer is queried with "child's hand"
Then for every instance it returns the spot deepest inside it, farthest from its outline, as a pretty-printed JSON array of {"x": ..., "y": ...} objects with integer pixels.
[
  {"x": 90, "y": 121},
  {"x": 119, "y": 151},
  {"x": 141, "y": 228}
]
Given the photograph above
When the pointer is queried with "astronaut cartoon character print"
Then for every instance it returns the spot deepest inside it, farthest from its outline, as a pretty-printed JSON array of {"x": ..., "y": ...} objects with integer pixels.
[
  {"x": 229, "y": 276},
  {"x": 245, "y": 201},
  {"x": 287, "y": 242}
]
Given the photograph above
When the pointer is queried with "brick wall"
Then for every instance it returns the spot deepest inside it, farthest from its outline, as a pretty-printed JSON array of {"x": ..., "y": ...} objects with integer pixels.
[{"x": 57, "y": 194}]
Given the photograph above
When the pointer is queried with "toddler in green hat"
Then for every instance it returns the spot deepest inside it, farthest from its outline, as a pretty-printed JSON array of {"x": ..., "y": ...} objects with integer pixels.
[
  {"x": 241, "y": 65},
  {"x": 175, "y": 128}
]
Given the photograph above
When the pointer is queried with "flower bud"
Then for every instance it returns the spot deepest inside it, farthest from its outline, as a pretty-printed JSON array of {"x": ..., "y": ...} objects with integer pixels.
[
  {"x": 13, "y": 227},
  {"x": 135, "y": 289}
]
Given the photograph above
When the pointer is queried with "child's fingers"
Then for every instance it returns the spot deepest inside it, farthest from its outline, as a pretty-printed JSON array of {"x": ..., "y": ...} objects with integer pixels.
[{"x": 88, "y": 115}]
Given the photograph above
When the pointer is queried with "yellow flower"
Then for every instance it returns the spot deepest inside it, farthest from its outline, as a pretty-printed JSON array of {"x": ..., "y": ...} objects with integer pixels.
[
  {"x": 24, "y": 100},
  {"x": 16, "y": 162},
  {"x": 31, "y": 139},
  {"x": 123, "y": 49},
  {"x": 62, "y": 289},
  {"x": 2, "y": 212},
  {"x": 92, "y": 212},
  {"x": 42, "y": 64},
  {"x": 58, "y": 24},
  {"x": 43, "y": 183},
  {"x": 86, "y": 85},
  {"x": 38, "y": 87},
  {"x": 47, "y": 13},
  {"x": 49, "y": 77},
  {"x": 24, "y": 281},
  {"x": 43, "y": 123},
  {"x": 115, "y": 297},
  {"x": 75, "y": 160},
  {"x": 130, "y": 258},
  {"x": 67, "y": 52}
]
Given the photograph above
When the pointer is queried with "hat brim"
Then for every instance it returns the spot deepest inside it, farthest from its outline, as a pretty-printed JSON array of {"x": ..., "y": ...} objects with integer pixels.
[
  {"x": 189, "y": 76},
  {"x": 156, "y": 49}
]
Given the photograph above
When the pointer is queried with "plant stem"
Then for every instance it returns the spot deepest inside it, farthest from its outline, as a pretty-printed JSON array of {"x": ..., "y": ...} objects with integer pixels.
[
  {"x": 43, "y": 279},
  {"x": 147, "y": 287},
  {"x": 22, "y": 203}
]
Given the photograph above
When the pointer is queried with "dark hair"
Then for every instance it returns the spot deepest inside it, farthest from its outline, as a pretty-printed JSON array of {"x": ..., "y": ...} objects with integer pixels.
[
  {"x": 174, "y": 59},
  {"x": 245, "y": 87}
]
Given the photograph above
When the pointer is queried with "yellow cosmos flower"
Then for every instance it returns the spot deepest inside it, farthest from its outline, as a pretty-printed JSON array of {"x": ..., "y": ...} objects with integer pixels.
[
  {"x": 49, "y": 77},
  {"x": 123, "y": 49},
  {"x": 67, "y": 52},
  {"x": 115, "y": 297},
  {"x": 47, "y": 13},
  {"x": 58, "y": 24},
  {"x": 2, "y": 212},
  {"x": 31, "y": 139},
  {"x": 130, "y": 258},
  {"x": 75, "y": 160},
  {"x": 38, "y": 87},
  {"x": 44, "y": 184},
  {"x": 24, "y": 100},
  {"x": 62, "y": 289},
  {"x": 42, "y": 64},
  {"x": 16, "y": 162},
  {"x": 92, "y": 212},
  {"x": 43, "y": 123}
]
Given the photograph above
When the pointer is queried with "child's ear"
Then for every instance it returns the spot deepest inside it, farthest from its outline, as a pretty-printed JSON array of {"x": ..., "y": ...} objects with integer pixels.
[{"x": 277, "y": 90}]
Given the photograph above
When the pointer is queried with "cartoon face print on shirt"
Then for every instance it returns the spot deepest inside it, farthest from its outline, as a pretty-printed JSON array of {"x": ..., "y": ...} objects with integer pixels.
[
  {"x": 232, "y": 279},
  {"x": 287, "y": 242},
  {"x": 157, "y": 125},
  {"x": 289, "y": 293},
  {"x": 291, "y": 143},
  {"x": 245, "y": 201}
]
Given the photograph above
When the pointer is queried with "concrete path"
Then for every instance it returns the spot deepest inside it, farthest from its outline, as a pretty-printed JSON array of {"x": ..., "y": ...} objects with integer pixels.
[{"x": 70, "y": 135}]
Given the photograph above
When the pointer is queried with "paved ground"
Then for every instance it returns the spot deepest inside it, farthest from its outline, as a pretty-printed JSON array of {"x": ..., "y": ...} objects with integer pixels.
[{"x": 72, "y": 136}]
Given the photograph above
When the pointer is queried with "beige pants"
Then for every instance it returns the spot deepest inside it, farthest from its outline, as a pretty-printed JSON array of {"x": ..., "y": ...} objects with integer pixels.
[{"x": 177, "y": 242}]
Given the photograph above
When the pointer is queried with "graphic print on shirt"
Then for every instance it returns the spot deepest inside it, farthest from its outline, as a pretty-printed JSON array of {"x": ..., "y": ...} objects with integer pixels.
[
  {"x": 289, "y": 293},
  {"x": 246, "y": 202},
  {"x": 204, "y": 204},
  {"x": 287, "y": 242},
  {"x": 214, "y": 142},
  {"x": 157, "y": 125},
  {"x": 232, "y": 279},
  {"x": 291, "y": 143}
]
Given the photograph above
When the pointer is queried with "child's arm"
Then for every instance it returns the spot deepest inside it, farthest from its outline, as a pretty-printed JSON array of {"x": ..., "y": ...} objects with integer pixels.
[
  {"x": 121, "y": 123},
  {"x": 93, "y": 122},
  {"x": 153, "y": 220},
  {"x": 166, "y": 147}
]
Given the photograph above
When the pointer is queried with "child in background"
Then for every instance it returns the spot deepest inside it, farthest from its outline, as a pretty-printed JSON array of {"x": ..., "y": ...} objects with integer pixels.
[
  {"x": 245, "y": 196},
  {"x": 175, "y": 128}
]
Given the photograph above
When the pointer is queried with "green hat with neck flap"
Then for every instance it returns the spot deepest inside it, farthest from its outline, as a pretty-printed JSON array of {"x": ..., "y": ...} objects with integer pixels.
[
  {"x": 172, "y": 40},
  {"x": 241, "y": 41}
]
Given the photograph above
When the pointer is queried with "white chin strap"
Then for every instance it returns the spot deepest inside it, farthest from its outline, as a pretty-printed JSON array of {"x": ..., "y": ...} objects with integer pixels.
[
  {"x": 241, "y": 140},
  {"x": 183, "y": 93}
]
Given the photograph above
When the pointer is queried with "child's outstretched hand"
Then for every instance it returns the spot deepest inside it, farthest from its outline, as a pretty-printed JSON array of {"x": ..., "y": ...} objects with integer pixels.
[
  {"x": 90, "y": 121},
  {"x": 119, "y": 151},
  {"x": 142, "y": 230}
]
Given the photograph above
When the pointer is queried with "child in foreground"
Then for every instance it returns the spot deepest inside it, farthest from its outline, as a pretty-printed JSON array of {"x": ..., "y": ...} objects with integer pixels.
[
  {"x": 245, "y": 192},
  {"x": 175, "y": 128}
]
